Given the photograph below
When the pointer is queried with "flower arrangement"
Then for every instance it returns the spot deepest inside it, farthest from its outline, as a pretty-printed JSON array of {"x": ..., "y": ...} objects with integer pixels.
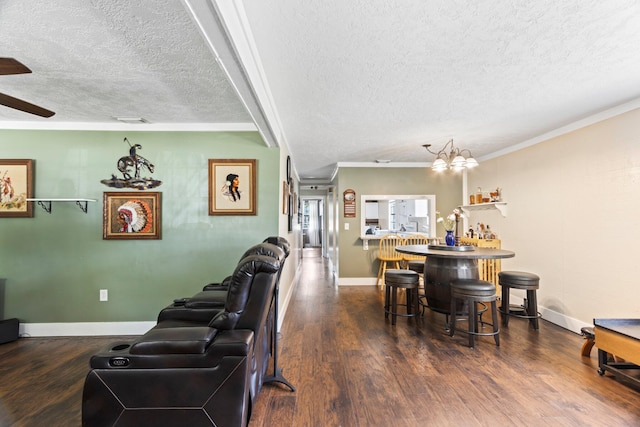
[{"x": 449, "y": 222}]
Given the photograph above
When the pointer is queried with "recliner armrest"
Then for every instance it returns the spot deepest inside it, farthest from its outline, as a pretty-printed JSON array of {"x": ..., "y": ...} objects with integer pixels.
[
  {"x": 238, "y": 342},
  {"x": 189, "y": 340},
  {"x": 180, "y": 312},
  {"x": 207, "y": 299},
  {"x": 222, "y": 286}
]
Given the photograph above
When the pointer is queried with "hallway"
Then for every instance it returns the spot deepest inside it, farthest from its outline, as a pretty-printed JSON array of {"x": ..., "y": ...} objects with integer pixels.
[{"x": 352, "y": 368}]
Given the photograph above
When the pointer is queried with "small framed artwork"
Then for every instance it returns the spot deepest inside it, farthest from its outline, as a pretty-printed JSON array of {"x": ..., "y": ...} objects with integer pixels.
[
  {"x": 290, "y": 206},
  {"x": 285, "y": 198},
  {"x": 232, "y": 186},
  {"x": 295, "y": 203},
  {"x": 349, "y": 201},
  {"x": 16, "y": 186},
  {"x": 131, "y": 215}
]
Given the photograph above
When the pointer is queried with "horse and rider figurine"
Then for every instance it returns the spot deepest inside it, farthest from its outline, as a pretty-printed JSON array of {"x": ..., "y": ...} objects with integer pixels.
[
  {"x": 133, "y": 160},
  {"x": 132, "y": 164}
]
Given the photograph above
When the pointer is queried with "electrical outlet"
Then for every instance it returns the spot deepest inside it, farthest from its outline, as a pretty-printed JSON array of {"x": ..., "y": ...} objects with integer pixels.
[{"x": 104, "y": 295}]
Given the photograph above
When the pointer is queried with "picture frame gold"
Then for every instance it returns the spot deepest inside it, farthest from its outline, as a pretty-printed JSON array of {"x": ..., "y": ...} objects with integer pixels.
[
  {"x": 16, "y": 187},
  {"x": 131, "y": 216},
  {"x": 232, "y": 187}
]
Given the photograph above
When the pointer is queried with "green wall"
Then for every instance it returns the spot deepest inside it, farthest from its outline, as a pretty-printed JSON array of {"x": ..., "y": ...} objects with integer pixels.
[
  {"x": 54, "y": 264},
  {"x": 353, "y": 260}
]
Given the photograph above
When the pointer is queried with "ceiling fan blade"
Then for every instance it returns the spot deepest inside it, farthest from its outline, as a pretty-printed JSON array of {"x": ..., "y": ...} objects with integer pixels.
[
  {"x": 18, "y": 104},
  {"x": 12, "y": 66}
]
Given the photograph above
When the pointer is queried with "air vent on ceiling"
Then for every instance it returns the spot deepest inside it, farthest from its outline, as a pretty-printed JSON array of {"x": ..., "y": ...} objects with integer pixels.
[{"x": 131, "y": 120}]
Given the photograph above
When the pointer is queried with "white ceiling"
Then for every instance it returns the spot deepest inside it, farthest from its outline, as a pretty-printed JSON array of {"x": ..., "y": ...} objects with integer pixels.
[{"x": 334, "y": 80}]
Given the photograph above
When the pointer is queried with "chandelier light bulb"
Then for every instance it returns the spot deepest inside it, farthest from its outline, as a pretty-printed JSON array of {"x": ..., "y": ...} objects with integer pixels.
[
  {"x": 439, "y": 165},
  {"x": 458, "y": 162},
  {"x": 471, "y": 163},
  {"x": 450, "y": 157}
]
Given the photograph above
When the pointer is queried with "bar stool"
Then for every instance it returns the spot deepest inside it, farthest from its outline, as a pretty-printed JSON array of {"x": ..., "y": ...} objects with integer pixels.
[
  {"x": 417, "y": 266},
  {"x": 474, "y": 291},
  {"x": 519, "y": 280},
  {"x": 408, "y": 280}
]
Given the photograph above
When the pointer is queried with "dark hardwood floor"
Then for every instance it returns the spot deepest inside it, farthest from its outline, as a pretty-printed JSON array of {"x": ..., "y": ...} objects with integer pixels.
[{"x": 352, "y": 368}]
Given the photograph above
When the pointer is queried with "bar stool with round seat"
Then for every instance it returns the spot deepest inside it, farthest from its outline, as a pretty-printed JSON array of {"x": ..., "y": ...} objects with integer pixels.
[
  {"x": 408, "y": 280},
  {"x": 519, "y": 280},
  {"x": 418, "y": 267},
  {"x": 387, "y": 254},
  {"x": 473, "y": 292}
]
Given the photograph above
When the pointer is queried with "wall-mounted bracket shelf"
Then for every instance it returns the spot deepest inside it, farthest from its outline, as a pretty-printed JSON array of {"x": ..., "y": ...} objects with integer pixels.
[
  {"x": 46, "y": 203},
  {"x": 500, "y": 206}
]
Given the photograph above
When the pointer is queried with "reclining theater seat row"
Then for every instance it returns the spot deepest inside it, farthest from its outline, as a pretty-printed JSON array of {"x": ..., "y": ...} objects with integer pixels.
[
  {"x": 213, "y": 295},
  {"x": 204, "y": 305},
  {"x": 280, "y": 242},
  {"x": 191, "y": 369}
]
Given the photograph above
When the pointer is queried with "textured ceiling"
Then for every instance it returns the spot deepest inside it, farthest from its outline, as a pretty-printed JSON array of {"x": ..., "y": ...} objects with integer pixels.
[
  {"x": 99, "y": 59},
  {"x": 334, "y": 80}
]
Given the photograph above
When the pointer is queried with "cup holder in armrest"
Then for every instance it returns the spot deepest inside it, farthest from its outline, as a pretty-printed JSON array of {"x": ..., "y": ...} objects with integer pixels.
[
  {"x": 119, "y": 361},
  {"x": 120, "y": 347}
]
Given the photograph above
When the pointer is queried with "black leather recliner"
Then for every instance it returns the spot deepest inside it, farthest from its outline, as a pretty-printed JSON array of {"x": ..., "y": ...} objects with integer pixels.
[
  {"x": 203, "y": 305},
  {"x": 280, "y": 242},
  {"x": 189, "y": 374},
  {"x": 198, "y": 308}
]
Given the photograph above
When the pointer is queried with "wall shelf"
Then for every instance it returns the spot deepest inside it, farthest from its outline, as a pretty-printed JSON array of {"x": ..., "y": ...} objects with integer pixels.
[
  {"x": 46, "y": 203},
  {"x": 500, "y": 206}
]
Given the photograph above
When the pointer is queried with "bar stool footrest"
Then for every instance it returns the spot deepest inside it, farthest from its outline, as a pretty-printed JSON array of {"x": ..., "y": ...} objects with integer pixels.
[
  {"x": 479, "y": 334},
  {"x": 519, "y": 311}
]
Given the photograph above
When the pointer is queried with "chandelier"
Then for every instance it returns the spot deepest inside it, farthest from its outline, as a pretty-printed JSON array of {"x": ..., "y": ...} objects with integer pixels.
[{"x": 452, "y": 158}]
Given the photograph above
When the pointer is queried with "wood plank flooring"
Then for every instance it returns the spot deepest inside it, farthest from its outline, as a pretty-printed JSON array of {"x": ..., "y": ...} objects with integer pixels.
[{"x": 350, "y": 367}]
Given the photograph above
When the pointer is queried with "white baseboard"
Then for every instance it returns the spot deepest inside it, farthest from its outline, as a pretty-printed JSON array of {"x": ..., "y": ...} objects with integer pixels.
[
  {"x": 84, "y": 329},
  {"x": 139, "y": 328},
  {"x": 562, "y": 320},
  {"x": 356, "y": 281}
]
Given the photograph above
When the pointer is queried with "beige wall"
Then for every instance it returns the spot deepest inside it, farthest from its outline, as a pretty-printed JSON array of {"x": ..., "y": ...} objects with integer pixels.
[
  {"x": 354, "y": 262},
  {"x": 572, "y": 219}
]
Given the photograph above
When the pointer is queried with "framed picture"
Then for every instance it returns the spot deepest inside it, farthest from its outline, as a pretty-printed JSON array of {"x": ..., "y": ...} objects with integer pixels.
[
  {"x": 232, "y": 186},
  {"x": 131, "y": 215},
  {"x": 16, "y": 186},
  {"x": 285, "y": 198},
  {"x": 295, "y": 203},
  {"x": 291, "y": 194}
]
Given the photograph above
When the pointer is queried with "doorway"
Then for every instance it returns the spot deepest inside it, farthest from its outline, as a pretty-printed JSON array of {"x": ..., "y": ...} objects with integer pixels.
[{"x": 312, "y": 223}]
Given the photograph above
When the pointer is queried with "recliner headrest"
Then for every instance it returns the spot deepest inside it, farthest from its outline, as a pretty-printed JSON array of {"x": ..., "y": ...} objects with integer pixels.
[
  {"x": 266, "y": 249},
  {"x": 240, "y": 286},
  {"x": 280, "y": 242}
]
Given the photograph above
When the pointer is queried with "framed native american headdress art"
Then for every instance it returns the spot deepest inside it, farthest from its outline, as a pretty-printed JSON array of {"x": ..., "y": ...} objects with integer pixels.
[{"x": 131, "y": 215}]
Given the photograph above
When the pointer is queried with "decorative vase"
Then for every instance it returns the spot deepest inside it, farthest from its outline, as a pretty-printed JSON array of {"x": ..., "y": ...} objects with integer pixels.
[{"x": 450, "y": 239}]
